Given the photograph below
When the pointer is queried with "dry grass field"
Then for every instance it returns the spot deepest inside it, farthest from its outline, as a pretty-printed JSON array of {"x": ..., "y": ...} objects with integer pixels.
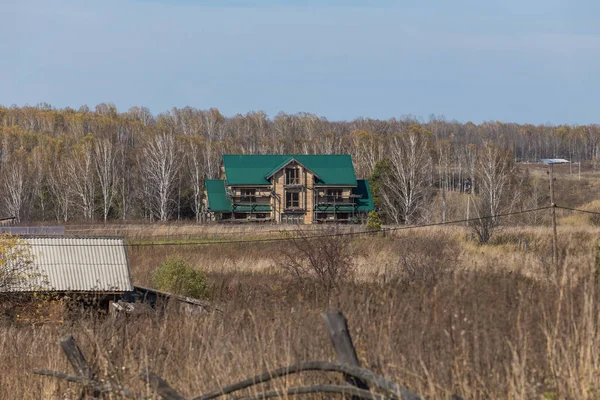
[{"x": 430, "y": 308}]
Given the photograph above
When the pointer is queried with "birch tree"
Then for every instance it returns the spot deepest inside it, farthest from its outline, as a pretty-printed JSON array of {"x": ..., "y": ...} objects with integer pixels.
[
  {"x": 386, "y": 193},
  {"x": 194, "y": 164},
  {"x": 81, "y": 182},
  {"x": 105, "y": 161},
  {"x": 58, "y": 186},
  {"x": 444, "y": 154},
  {"x": 160, "y": 161},
  {"x": 410, "y": 170},
  {"x": 495, "y": 170},
  {"x": 15, "y": 188},
  {"x": 367, "y": 150}
]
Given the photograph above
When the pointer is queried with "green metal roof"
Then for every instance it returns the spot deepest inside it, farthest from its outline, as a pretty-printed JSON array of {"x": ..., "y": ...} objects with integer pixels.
[
  {"x": 283, "y": 164},
  {"x": 253, "y": 169},
  {"x": 365, "y": 203},
  {"x": 217, "y": 198}
]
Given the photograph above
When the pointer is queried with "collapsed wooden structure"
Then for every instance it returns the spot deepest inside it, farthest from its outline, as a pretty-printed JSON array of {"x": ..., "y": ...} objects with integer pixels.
[{"x": 81, "y": 271}]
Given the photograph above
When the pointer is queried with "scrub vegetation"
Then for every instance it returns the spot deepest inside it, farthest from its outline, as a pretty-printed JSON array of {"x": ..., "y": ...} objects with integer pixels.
[
  {"x": 477, "y": 307},
  {"x": 430, "y": 308}
]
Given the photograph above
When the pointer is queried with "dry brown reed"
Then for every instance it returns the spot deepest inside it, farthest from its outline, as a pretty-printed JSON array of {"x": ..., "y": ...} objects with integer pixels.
[{"x": 493, "y": 321}]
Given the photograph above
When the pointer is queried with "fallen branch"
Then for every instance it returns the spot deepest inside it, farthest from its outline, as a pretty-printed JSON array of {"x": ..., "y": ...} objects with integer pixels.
[
  {"x": 160, "y": 385},
  {"x": 377, "y": 381},
  {"x": 358, "y": 377},
  {"x": 337, "y": 389},
  {"x": 93, "y": 385}
]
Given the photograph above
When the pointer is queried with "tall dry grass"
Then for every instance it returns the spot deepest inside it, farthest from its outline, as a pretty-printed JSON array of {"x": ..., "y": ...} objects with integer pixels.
[
  {"x": 524, "y": 250},
  {"x": 430, "y": 309},
  {"x": 481, "y": 335}
]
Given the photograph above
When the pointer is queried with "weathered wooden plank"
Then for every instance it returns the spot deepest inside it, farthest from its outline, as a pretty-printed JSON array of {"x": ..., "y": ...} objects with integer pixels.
[
  {"x": 81, "y": 367},
  {"x": 333, "y": 389},
  {"x": 60, "y": 375},
  {"x": 95, "y": 386},
  {"x": 76, "y": 358},
  {"x": 379, "y": 382},
  {"x": 160, "y": 385},
  {"x": 337, "y": 328}
]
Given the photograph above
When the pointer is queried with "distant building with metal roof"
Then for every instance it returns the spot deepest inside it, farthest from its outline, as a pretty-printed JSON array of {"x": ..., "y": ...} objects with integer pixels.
[
  {"x": 7, "y": 221},
  {"x": 77, "y": 264},
  {"x": 33, "y": 230},
  {"x": 292, "y": 188},
  {"x": 551, "y": 161}
]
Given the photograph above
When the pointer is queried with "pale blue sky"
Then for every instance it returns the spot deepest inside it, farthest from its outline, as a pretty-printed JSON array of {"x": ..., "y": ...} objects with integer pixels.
[{"x": 515, "y": 60}]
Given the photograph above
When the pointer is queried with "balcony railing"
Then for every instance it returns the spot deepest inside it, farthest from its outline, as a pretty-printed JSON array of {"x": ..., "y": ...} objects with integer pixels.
[
  {"x": 334, "y": 199},
  {"x": 256, "y": 195},
  {"x": 251, "y": 199}
]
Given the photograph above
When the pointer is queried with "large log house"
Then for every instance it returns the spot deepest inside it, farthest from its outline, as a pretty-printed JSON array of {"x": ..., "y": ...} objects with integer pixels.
[{"x": 288, "y": 189}]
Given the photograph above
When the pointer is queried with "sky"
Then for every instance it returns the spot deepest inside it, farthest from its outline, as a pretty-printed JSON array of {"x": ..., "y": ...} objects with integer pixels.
[{"x": 525, "y": 61}]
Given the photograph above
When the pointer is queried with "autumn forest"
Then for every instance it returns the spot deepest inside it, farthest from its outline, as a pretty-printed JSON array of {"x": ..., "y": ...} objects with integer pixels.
[{"x": 104, "y": 164}]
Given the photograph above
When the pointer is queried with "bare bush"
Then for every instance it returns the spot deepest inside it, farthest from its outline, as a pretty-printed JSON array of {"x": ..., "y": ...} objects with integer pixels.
[
  {"x": 485, "y": 225},
  {"x": 324, "y": 257},
  {"x": 484, "y": 229},
  {"x": 423, "y": 259}
]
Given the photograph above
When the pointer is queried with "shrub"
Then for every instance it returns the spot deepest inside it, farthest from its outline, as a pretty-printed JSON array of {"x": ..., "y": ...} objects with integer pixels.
[
  {"x": 325, "y": 257},
  {"x": 374, "y": 222},
  {"x": 177, "y": 276},
  {"x": 16, "y": 264},
  {"x": 425, "y": 260}
]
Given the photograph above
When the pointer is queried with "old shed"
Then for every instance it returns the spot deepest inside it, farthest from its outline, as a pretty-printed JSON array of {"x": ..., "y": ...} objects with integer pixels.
[
  {"x": 81, "y": 264},
  {"x": 78, "y": 268}
]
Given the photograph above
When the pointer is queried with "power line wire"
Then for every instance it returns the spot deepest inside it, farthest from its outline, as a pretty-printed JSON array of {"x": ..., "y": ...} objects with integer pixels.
[
  {"x": 579, "y": 210},
  {"x": 399, "y": 228},
  {"x": 310, "y": 237}
]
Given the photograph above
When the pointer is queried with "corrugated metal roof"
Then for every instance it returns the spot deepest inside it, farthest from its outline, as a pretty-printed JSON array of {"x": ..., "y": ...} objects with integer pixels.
[
  {"x": 365, "y": 202},
  {"x": 285, "y": 163},
  {"x": 217, "y": 198},
  {"x": 554, "y": 161},
  {"x": 79, "y": 264},
  {"x": 253, "y": 169}
]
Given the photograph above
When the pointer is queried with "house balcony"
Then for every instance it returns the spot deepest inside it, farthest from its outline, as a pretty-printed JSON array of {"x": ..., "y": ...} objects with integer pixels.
[
  {"x": 294, "y": 210},
  {"x": 334, "y": 204},
  {"x": 247, "y": 200},
  {"x": 334, "y": 200},
  {"x": 258, "y": 195},
  {"x": 250, "y": 206}
]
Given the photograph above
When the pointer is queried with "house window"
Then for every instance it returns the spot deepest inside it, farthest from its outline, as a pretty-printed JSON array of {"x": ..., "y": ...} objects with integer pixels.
[
  {"x": 292, "y": 176},
  {"x": 292, "y": 199},
  {"x": 248, "y": 195}
]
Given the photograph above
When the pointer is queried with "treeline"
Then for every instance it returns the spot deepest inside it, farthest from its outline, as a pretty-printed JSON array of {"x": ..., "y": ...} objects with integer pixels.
[{"x": 101, "y": 164}]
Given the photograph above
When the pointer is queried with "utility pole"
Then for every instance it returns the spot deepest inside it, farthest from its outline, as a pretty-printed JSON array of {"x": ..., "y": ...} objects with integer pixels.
[
  {"x": 550, "y": 162},
  {"x": 553, "y": 209}
]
